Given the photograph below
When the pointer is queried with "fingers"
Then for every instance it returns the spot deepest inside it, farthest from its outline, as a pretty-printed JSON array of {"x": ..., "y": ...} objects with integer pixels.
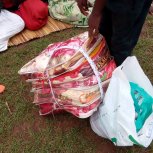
[
  {"x": 93, "y": 32},
  {"x": 82, "y": 4},
  {"x": 151, "y": 9},
  {"x": 96, "y": 32},
  {"x": 84, "y": 11},
  {"x": 90, "y": 32}
]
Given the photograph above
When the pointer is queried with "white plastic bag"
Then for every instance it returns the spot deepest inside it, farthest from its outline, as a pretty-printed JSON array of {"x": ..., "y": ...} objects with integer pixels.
[{"x": 115, "y": 119}]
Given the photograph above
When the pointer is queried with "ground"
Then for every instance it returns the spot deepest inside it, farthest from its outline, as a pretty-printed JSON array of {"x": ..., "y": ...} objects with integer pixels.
[{"x": 25, "y": 131}]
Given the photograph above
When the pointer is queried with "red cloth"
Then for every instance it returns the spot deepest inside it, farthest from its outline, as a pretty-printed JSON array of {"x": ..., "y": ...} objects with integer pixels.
[
  {"x": 7, "y": 4},
  {"x": 11, "y": 4},
  {"x": 34, "y": 13}
]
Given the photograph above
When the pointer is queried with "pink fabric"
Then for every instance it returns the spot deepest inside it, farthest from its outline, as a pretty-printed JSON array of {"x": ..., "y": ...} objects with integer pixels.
[{"x": 63, "y": 80}]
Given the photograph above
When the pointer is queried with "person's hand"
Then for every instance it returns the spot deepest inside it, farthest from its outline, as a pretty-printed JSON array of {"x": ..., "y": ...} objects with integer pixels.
[
  {"x": 82, "y": 4},
  {"x": 94, "y": 22},
  {"x": 151, "y": 9}
]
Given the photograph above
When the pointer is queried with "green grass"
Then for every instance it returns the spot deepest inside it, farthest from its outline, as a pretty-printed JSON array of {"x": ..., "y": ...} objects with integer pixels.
[{"x": 25, "y": 131}]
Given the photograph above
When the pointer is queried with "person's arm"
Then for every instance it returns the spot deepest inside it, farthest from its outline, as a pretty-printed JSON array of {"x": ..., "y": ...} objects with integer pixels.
[
  {"x": 95, "y": 17},
  {"x": 99, "y": 6}
]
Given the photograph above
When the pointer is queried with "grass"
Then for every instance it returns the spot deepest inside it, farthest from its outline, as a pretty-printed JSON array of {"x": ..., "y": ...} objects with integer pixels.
[{"x": 26, "y": 132}]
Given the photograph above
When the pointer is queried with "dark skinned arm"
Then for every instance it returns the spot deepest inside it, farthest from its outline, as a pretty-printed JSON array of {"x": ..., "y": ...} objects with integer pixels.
[{"x": 95, "y": 17}]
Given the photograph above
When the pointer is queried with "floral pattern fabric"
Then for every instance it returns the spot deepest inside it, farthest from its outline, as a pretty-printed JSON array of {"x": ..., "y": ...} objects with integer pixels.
[{"x": 68, "y": 11}]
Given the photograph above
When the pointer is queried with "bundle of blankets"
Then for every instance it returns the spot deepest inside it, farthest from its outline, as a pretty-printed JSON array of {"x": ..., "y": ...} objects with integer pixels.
[{"x": 71, "y": 75}]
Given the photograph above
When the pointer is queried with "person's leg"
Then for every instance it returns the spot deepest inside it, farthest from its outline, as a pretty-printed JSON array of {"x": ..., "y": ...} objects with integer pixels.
[
  {"x": 126, "y": 29},
  {"x": 105, "y": 27}
]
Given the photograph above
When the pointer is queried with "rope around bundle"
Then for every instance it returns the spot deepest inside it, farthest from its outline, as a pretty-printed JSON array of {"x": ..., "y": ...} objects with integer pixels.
[{"x": 93, "y": 66}]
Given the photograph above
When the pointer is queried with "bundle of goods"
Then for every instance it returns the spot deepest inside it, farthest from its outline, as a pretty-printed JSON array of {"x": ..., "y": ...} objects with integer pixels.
[{"x": 70, "y": 75}]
